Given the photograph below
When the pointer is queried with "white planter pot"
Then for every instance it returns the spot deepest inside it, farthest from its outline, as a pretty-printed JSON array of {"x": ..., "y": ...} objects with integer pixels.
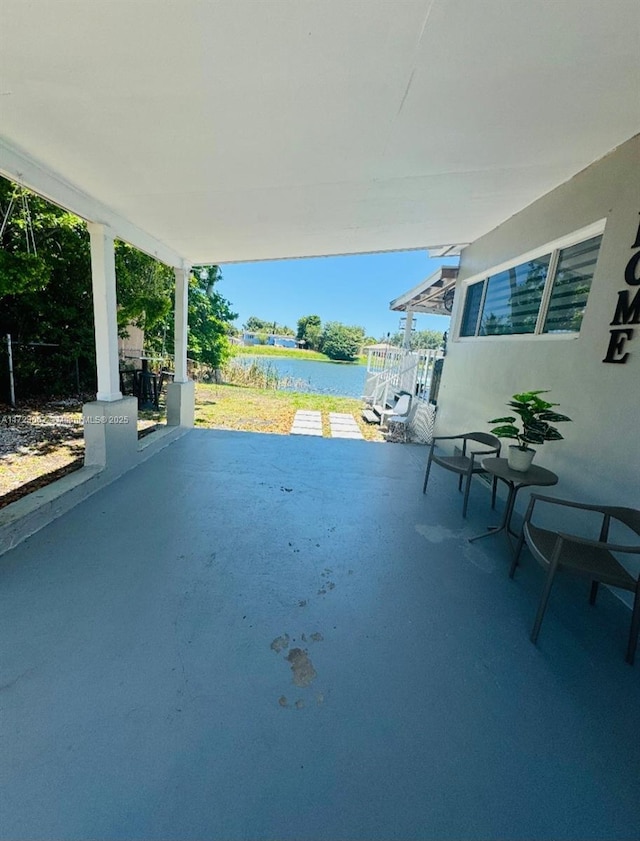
[{"x": 520, "y": 460}]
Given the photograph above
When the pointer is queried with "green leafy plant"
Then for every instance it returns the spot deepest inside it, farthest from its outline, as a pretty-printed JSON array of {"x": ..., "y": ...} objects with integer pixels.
[{"x": 536, "y": 417}]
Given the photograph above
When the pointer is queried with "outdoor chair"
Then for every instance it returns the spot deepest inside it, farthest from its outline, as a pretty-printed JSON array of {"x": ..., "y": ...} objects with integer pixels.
[
  {"x": 467, "y": 463},
  {"x": 398, "y": 420},
  {"x": 589, "y": 558}
]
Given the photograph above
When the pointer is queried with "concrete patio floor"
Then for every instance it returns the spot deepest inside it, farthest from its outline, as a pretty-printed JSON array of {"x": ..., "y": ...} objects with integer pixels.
[{"x": 147, "y": 694}]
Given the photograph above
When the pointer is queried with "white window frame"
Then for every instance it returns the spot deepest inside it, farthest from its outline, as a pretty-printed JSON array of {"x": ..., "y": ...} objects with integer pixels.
[{"x": 553, "y": 248}]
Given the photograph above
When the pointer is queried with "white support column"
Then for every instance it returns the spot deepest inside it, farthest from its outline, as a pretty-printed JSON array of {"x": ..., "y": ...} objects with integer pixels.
[
  {"x": 110, "y": 422},
  {"x": 181, "y": 392},
  {"x": 181, "y": 325},
  {"x": 103, "y": 278},
  {"x": 408, "y": 329}
]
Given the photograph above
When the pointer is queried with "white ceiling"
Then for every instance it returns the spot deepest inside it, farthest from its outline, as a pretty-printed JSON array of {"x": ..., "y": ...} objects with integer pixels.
[{"x": 235, "y": 130}]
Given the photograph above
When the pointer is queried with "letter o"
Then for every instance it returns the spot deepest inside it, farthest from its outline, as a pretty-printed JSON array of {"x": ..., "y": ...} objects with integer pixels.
[{"x": 630, "y": 273}]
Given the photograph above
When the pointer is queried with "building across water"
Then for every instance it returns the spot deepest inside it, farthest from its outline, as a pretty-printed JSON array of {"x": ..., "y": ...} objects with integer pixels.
[{"x": 250, "y": 338}]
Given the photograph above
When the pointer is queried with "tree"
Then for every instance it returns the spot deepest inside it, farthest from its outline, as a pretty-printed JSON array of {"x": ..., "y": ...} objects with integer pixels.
[
  {"x": 21, "y": 269},
  {"x": 209, "y": 317},
  {"x": 46, "y": 300},
  {"x": 259, "y": 325},
  {"x": 419, "y": 339},
  {"x": 341, "y": 342},
  {"x": 144, "y": 288},
  {"x": 209, "y": 313},
  {"x": 310, "y": 331}
]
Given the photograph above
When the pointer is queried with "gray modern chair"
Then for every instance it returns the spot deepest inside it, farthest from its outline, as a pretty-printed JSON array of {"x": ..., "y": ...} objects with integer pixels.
[
  {"x": 589, "y": 558},
  {"x": 467, "y": 463}
]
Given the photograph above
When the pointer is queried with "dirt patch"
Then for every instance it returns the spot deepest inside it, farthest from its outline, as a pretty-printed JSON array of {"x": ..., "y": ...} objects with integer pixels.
[
  {"x": 42, "y": 442},
  {"x": 39, "y": 443},
  {"x": 40, "y": 482},
  {"x": 302, "y": 667},
  {"x": 280, "y": 643}
]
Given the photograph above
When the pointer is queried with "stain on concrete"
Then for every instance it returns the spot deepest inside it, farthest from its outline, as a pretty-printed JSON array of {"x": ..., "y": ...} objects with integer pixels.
[
  {"x": 435, "y": 534},
  {"x": 280, "y": 643},
  {"x": 303, "y": 638},
  {"x": 330, "y": 585},
  {"x": 302, "y": 603},
  {"x": 283, "y": 701},
  {"x": 299, "y": 704},
  {"x": 302, "y": 667},
  {"x": 319, "y": 698},
  {"x": 317, "y": 637},
  {"x": 286, "y": 490},
  {"x": 15, "y": 680},
  {"x": 471, "y": 552},
  {"x": 478, "y": 557},
  {"x": 322, "y": 592}
]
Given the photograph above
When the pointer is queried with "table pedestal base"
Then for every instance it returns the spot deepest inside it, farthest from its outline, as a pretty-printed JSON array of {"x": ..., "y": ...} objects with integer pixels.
[{"x": 499, "y": 468}]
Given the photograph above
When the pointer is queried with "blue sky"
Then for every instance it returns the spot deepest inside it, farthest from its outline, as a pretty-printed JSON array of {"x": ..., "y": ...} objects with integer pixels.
[{"x": 353, "y": 290}]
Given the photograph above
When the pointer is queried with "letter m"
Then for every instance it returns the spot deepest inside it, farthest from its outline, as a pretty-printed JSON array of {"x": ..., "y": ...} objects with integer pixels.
[{"x": 627, "y": 312}]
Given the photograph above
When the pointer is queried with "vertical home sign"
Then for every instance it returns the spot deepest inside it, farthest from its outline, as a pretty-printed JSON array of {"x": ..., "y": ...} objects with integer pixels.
[{"x": 627, "y": 309}]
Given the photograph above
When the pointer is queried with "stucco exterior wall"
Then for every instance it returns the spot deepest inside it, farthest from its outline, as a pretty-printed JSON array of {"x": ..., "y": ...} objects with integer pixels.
[{"x": 599, "y": 460}]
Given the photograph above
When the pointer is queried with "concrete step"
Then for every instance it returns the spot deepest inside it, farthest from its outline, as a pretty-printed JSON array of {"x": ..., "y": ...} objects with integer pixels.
[{"x": 370, "y": 416}]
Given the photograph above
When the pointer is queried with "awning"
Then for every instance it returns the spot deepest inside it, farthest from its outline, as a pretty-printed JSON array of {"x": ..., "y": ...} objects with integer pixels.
[{"x": 434, "y": 295}]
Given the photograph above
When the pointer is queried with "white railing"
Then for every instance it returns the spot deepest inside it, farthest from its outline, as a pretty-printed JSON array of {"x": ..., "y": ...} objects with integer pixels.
[
  {"x": 397, "y": 369},
  {"x": 424, "y": 372},
  {"x": 382, "y": 358},
  {"x": 380, "y": 383}
]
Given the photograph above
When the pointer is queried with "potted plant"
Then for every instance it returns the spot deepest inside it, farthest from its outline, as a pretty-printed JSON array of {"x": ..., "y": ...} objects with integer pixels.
[{"x": 536, "y": 417}]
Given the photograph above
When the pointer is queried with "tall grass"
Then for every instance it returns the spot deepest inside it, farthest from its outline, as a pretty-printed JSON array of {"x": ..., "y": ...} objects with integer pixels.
[{"x": 253, "y": 373}]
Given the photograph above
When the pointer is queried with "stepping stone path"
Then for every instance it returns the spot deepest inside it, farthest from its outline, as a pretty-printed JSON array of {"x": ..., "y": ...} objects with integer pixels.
[
  {"x": 344, "y": 425},
  {"x": 307, "y": 423}
]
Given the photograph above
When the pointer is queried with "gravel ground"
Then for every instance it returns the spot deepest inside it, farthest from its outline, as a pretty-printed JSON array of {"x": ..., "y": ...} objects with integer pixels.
[
  {"x": 40, "y": 442},
  {"x": 36, "y": 440}
]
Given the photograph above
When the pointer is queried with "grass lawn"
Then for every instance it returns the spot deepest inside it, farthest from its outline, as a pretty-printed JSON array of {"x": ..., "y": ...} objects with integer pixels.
[
  {"x": 266, "y": 410},
  {"x": 292, "y": 353}
]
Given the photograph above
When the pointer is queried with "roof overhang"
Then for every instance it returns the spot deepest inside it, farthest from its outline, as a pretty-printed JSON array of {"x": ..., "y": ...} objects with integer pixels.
[
  {"x": 434, "y": 295},
  {"x": 20, "y": 168},
  {"x": 442, "y": 251},
  {"x": 235, "y": 130}
]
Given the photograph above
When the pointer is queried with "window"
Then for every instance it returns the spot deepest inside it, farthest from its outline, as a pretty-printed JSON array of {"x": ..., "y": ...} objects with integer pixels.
[
  {"x": 472, "y": 309},
  {"x": 574, "y": 274},
  {"x": 513, "y": 299},
  {"x": 545, "y": 294}
]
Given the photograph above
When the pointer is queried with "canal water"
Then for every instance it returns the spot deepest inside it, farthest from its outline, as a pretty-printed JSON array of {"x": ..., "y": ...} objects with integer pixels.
[{"x": 339, "y": 379}]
